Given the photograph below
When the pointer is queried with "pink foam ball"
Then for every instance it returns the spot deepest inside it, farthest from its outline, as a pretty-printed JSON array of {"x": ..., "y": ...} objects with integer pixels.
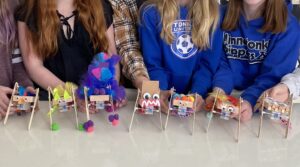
[
  {"x": 115, "y": 122},
  {"x": 90, "y": 129}
]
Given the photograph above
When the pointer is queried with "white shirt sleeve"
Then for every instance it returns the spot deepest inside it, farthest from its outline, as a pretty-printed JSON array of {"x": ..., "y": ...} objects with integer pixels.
[{"x": 293, "y": 82}]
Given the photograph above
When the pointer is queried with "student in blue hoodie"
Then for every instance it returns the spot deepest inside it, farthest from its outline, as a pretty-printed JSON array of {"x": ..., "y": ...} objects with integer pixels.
[
  {"x": 260, "y": 45},
  {"x": 175, "y": 37}
]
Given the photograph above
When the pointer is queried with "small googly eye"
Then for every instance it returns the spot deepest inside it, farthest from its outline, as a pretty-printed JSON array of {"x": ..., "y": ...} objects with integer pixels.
[
  {"x": 17, "y": 98},
  {"x": 147, "y": 96},
  {"x": 230, "y": 109},
  {"x": 223, "y": 108},
  {"x": 155, "y": 96}
]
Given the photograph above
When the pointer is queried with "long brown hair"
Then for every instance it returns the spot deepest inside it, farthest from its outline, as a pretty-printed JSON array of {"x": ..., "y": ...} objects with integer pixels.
[
  {"x": 203, "y": 13},
  {"x": 45, "y": 41},
  {"x": 275, "y": 13},
  {"x": 8, "y": 24}
]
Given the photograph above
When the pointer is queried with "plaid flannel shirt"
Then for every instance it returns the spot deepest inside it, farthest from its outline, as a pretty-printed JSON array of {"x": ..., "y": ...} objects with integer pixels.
[{"x": 125, "y": 19}]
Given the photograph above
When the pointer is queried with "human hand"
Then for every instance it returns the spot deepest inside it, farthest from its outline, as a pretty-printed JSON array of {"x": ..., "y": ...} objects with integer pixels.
[
  {"x": 210, "y": 99},
  {"x": 4, "y": 100},
  {"x": 279, "y": 93},
  {"x": 246, "y": 111},
  {"x": 199, "y": 102},
  {"x": 138, "y": 82},
  {"x": 164, "y": 100}
]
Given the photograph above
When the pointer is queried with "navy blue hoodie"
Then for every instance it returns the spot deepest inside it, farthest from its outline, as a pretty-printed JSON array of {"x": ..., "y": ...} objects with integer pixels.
[
  {"x": 253, "y": 61},
  {"x": 181, "y": 64}
]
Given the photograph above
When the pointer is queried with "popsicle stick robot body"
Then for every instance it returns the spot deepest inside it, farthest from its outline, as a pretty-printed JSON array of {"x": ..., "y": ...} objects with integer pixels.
[
  {"x": 101, "y": 102},
  {"x": 100, "y": 89},
  {"x": 225, "y": 106},
  {"x": 22, "y": 101},
  {"x": 62, "y": 99},
  {"x": 276, "y": 111},
  {"x": 182, "y": 106},
  {"x": 148, "y": 101}
]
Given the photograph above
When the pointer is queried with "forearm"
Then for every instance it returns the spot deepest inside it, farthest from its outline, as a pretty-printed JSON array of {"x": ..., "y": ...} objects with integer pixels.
[
  {"x": 127, "y": 43},
  {"x": 33, "y": 63},
  {"x": 292, "y": 81},
  {"x": 43, "y": 77}
]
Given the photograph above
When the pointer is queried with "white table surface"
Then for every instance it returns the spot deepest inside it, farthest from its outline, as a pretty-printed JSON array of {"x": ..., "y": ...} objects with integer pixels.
[{"x": 146, "y": 145}]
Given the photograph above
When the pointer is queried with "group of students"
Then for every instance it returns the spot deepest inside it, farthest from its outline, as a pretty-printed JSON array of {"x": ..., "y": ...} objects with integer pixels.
[{"x": 195, "y": 46}]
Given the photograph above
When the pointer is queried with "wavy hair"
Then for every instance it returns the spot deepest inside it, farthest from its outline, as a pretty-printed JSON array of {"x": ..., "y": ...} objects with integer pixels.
[
  {"x": 91, "y": 15},
  {"x": 275, "y": 13},
  {"x": 8, "y": 24},
  {"x": 204, "y": 15}
]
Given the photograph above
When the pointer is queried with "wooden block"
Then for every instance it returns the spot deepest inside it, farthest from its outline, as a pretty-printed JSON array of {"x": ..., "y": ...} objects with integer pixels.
[
  {"x": 181, "y": 103},
  {"x": 27, "y": 99},
  {"x": 95, "y": 98}
]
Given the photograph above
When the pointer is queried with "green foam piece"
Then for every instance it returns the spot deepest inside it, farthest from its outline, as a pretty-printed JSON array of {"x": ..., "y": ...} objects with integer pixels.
[
  {"x": 55, "y": 127},
  {"x": 80, "y": 127}
]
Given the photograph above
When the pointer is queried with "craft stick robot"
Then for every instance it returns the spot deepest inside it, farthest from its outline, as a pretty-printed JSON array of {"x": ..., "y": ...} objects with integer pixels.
[
  {"x": 276, "y": 111},
  {"x": 182, "y": 106},
  {"x": 225, "y": 106},
  {"x": 23, "y": 101},
  {"x": 101, "y": 102},
  {"x": 62, "y": 99},
  {"x": 100, "y": 89},
  {"x": 148, "y": 101}
]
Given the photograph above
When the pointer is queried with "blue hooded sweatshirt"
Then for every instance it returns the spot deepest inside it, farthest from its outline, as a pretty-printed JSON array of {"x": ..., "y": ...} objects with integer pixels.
[
  {"x": 181, "y": 64},
  {"x": 253, "y": 61}
]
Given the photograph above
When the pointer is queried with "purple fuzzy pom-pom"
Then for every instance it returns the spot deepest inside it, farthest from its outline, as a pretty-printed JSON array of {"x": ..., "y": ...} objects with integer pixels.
[
  {"x": 116, "y": 116},
  {"x": 86, "y": 125},
  {"x": 111, "y": 118},
  {"x": 90, "y": 123}
]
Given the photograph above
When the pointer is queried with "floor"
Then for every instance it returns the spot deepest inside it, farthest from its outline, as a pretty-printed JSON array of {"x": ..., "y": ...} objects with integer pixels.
[{"x": 146, "y": 145}]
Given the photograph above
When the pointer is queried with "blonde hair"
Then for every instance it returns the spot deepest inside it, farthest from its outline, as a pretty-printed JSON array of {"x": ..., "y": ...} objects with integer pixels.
[{"x": 204, "y": 15}]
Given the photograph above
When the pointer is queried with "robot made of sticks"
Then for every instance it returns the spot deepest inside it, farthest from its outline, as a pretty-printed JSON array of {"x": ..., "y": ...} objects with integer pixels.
[
  {"x": 148, "y": 101},
  {"x": 182, "y": 106},
  {"x": 276, "y": 111},
  {"x": 225, "y": 106},
  {"x": 23, "y": 101}
]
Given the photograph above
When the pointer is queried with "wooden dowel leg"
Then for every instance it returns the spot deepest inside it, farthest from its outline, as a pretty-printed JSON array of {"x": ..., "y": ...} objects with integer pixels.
[
  {"x": 10, "y": 103},
  {"x": 131, "y": 121},
  {"x": 33, "y": 108}
]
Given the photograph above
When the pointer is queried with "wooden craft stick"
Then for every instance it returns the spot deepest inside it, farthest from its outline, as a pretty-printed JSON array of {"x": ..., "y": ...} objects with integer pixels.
[
  {"x": 75, "y": 106},
  {"x": 290, "y": 116},
  {"x": 239, "y": 123},
  {"x": 135, "y": 108},
  {"x": 50, "y": 106},
  {"x": 212, "y": 110},
  {"x": 10, "y": 103},
  {"x": 261, "y": 115},
  {"x": 194, "y": 113},
  {"x": 169, "y": 108},
  {"x": 86, "y": 104},
  {"x": 34, "y": 106}
]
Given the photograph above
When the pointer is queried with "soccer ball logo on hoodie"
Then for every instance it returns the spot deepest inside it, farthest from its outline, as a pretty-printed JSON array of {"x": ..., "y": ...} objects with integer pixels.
[{"x": 183, "y": 46}]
